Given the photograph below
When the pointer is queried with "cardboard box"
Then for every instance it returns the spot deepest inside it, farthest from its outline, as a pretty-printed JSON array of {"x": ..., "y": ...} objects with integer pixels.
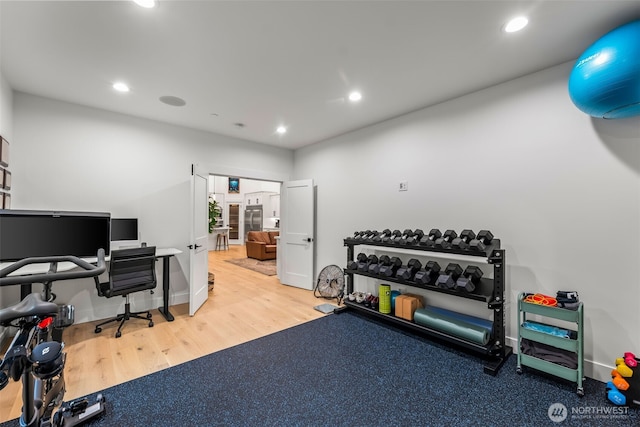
[{"x": 406, "y": 305}]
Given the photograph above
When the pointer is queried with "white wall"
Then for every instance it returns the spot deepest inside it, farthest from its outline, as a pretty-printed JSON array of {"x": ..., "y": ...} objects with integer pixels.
[
  {"x": 6, "y": 130},
  {"x": 220, "y": 185},
  {"x": 560, "y": 189},
  {"x": 71, "y": 157},
  {"x": 6, "y": 110}
]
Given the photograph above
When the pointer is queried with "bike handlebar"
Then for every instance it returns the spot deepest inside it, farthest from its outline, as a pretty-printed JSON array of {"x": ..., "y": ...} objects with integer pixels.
[{"x": 88, "y": 270}]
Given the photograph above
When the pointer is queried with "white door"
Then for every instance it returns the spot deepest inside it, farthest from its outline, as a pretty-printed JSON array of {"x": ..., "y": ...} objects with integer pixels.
[
  {"x": 198, "y": 265},
  {"x": 297, "y": 214}
]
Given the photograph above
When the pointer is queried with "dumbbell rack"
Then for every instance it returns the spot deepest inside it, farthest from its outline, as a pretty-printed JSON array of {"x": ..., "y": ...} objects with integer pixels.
[{"x": 489, "y": 291}]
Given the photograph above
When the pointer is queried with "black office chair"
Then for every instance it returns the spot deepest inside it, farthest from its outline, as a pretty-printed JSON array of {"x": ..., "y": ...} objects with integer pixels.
[{"x": 131, "y": 270}]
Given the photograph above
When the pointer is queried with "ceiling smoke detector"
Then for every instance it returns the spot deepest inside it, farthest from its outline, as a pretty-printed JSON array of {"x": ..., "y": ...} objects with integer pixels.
[{"x": 174, "y": 101}]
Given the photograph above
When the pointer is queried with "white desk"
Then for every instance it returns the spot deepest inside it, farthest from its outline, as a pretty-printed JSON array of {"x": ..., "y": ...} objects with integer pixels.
[{"x": 164, "y": 253}]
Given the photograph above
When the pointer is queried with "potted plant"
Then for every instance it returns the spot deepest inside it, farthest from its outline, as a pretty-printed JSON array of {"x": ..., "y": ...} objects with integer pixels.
[{"x": 214, "y": 213}]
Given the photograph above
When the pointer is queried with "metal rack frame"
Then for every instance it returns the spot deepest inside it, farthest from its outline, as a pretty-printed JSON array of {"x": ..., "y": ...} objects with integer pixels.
[{"x": 489, "y": 291}]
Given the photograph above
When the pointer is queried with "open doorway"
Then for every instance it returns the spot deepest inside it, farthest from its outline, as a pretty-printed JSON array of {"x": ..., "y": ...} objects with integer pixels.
[{"x": 245, "y": 205}]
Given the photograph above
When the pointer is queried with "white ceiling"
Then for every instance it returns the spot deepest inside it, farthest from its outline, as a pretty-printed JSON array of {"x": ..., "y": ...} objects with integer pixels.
[{"x": 266, "y": 63}]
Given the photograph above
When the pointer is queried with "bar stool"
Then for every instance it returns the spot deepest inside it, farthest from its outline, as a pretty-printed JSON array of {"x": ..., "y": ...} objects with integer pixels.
[{"x": 222, "y": 240}]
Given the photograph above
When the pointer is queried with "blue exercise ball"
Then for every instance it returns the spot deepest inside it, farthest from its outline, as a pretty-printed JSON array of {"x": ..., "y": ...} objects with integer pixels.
[{"x": 605, "y": 80}]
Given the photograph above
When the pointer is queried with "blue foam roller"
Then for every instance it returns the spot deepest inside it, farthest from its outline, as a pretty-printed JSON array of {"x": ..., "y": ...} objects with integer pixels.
[
  {"x": 449, "y": 325},
  {"x": 394, "y": 294},
  {"x": 484, "y": 323}
]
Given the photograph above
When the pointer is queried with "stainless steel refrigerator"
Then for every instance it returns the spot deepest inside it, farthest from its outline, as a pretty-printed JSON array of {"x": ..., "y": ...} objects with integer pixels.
[{"x": 252, "y": 219}]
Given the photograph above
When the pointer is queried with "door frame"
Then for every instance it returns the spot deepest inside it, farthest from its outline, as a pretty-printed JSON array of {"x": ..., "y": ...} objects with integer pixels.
[{"x": 221, "y": 170}]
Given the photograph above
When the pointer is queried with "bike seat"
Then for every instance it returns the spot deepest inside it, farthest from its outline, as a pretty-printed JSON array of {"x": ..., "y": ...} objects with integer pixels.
[{"x": 32, "y": 305}]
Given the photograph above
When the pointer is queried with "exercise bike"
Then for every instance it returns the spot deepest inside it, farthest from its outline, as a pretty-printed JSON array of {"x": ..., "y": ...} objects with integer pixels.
[{"x": 36, "y": 353}]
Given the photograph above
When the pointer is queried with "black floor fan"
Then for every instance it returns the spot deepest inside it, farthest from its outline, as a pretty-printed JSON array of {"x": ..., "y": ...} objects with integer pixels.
[{"x": 330, "y": 285}]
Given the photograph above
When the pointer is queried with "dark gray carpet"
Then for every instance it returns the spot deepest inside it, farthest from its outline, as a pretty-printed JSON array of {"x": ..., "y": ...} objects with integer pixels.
[{"x": 348, "y": 370}]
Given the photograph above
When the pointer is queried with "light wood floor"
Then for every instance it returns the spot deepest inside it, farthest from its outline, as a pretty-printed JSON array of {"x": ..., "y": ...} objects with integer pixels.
[{"x": 242, "y": 306}]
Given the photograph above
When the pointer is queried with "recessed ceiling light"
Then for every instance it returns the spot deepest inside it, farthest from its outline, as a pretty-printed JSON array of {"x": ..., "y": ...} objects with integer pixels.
[
  {"x": 121, "y": 87},
  {"x": 145, "y": 3},
  {"x": 355, "y": 96},
  {"x": 516, "y": 24},
  {"x": 281, "y": 130}
]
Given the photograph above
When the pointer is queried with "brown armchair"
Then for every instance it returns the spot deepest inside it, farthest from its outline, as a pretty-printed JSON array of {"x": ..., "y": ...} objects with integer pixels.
[{"x": 261, "y": 244}]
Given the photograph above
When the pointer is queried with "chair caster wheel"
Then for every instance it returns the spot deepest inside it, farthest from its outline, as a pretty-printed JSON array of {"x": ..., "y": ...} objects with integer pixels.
[
  {"x": 151, "y": 323},
  {"x": 148, "y": 315},
  {"x": 57, "y": 419},
  {"x": 518, "y": 370},
  {"x": 98, "y": 330},
  {"x": 580, "y": 392},
  {"x": 118, "y": 334}
]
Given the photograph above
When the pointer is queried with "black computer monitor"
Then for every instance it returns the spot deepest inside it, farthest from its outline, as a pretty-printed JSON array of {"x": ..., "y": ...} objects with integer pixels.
[
  {"x": 27, "y": 233},
  {"x": 124, "y": 229}
]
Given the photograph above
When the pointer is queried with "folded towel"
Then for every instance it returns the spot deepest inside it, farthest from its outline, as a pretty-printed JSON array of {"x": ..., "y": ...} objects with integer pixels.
[{"x": 547, "y": 329}]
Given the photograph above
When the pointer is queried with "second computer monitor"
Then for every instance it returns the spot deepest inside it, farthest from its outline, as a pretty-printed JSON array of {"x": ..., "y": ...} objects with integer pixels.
[{"x": 124, "y": 231}]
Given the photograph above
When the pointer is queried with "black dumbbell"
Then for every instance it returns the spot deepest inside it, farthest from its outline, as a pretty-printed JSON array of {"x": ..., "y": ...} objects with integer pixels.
[
  {"x": 430, "y": 239},
  {"x": 406, "y": 272},
  {"x": 450, "y": 276},
  {"x": 353, "y": 265},
  {"x": 395, "y": 236},
  {"x": 364, "y": 266},
  {"x": 390, "y": 270},
  {"x": 381, "y": 236},
  {"x": 405, "y": 235},
  {"x": 444, "y": 242},
  {"x": 361, "y": 261},
  {"x": 417, "y": 236},
  {"x": 372, "y": 235},
  {"x": 361, "y": 235},
  {"x": 383, "y": 261},
  {"x": 428, "y": 274},
  {"x": 470, "y": 279},
  {"x": 462, "y": 242},
  {"x": 367, "y": 235},
  {"x": 372, "y": 262},
  {"x": 482, "y": 240}
]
